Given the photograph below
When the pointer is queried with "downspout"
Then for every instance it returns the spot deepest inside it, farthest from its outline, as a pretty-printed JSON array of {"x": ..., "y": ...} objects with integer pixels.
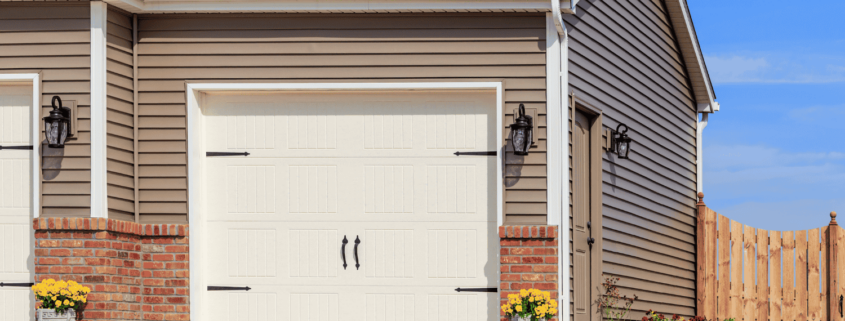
[
  {"x": 563, "y": 228},
  {"x": 699, "y": 162}
]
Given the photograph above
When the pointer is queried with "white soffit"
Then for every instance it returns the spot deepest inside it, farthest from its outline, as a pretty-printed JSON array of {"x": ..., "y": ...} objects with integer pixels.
[
  {"x": 690, "y": 49},
  {"x": 336, "y": 6}
]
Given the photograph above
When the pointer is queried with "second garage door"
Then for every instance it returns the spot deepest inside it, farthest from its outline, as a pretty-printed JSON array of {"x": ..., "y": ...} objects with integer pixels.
[{"x": 351, "y": 206}]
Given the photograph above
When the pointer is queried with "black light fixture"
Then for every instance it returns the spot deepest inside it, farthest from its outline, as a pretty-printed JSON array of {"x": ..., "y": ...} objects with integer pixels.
[
  {"x": 57, "y": 124},
  {"x": 522, "y": 132},
  {"x": 620, "y": 142}
]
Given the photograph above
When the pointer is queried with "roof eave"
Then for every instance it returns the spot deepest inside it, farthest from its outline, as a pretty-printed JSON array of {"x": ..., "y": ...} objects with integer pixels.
[{"x": 702, "y": 87}]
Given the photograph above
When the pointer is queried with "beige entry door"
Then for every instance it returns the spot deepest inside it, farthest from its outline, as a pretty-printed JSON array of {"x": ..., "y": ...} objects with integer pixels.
[
  {"x": 16, "y": 238},
  {"x": 376, "y": 171}
]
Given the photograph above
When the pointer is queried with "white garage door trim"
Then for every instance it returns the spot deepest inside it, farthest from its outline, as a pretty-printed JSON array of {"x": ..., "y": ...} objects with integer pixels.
[
  {"x": 196, "y": 152},
  {"x": 35, "y": 81}
]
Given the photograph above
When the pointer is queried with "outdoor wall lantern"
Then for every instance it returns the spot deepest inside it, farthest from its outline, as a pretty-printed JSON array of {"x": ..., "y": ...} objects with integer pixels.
[
  {"x": 620, "y": 142},
  {"x": 522, "y": 135},
  {"x": 57, "y": 124}
]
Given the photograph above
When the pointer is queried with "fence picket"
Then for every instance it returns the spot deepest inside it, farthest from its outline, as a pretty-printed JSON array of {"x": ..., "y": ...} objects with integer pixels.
[
  {"x": 775, "y": 288},
  {"x": 736, "y": 270},
  {"x": 749, "y": 286},
  {"x": 823, "y": 277},
  {"x": 813, "y": 306},
  {"x": 789, "y": 310},
  {"x": 724, "y": 258},
  {"x": 840, "y": 273},
  {"x": 762, "y": 275},
  {"x": 801, "y": 275},
  {"x": 710, "y": 268}
]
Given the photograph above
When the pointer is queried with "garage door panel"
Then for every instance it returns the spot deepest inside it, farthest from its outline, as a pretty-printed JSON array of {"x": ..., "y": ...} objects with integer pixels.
[
  {"x": 372, "y": 189},
  {"x": 344, "y": 126},
  {"x": 371, "y": 303}
]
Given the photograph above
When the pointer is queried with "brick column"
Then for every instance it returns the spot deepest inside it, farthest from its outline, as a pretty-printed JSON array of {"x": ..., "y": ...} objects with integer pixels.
[
  {"x": 528, "y": 260},
  {"x": 135, "y": 271}
]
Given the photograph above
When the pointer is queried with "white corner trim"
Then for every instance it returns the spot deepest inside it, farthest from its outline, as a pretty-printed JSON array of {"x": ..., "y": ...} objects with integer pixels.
[
  {"x": 99, "y": 201},
  {"x": 554, "y": 118},
  {"x": 197, "y": 149},
  {"x": 163, "y": 6},
  {"x": 35, "y": 80}
]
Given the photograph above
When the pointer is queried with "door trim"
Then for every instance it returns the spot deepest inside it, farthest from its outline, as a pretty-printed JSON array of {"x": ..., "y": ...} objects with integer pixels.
[
  {"x": 197, "y": 149},
  {"x": 34, "y": 80},
  {"x": 596, "y": 203}
]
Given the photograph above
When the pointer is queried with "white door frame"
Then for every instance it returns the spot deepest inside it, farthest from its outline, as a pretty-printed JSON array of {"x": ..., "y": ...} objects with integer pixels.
[
  {"x": 197, "y": 149},
  {"x": 34, "y": 80}
]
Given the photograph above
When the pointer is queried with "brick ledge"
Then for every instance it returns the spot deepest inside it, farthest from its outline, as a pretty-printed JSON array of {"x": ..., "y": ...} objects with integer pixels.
[
  {"x": 528, "y": 231},
  {"x": 107, "y": 224}
]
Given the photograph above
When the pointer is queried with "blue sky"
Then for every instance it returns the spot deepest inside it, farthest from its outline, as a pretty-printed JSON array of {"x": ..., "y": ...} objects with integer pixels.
[{"x": 775, "y": 153}]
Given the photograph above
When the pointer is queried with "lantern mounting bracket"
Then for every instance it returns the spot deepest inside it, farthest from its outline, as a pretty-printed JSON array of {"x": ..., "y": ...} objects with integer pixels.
[{"x": 489, "y": 153}]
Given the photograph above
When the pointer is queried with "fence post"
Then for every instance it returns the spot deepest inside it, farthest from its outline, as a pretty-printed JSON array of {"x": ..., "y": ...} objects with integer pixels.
[
  {"x": 832, "y": 237},
  {"x": 700, "y": 258}
]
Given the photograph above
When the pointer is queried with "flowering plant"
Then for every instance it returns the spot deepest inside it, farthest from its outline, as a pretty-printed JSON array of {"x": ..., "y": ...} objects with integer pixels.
[
  {"x": 531, "y": 303},
  {"x": 609, "y": 302},
  {"x": 60, "y": 295},
  {"x": 654, "y": 316}
]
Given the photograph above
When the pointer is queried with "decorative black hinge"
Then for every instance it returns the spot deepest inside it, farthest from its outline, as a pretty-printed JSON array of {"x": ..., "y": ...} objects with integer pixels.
[
  {"x": 491, "y": 153},
  {"x": 229, "y": 288},
  {"x": 226, "y": 154},
  {"x": 841, "y": 297},
  {"x": 26, "y": 147},
  {"x": 477, "y": 290},
  {"x": 23, "y": 285}
]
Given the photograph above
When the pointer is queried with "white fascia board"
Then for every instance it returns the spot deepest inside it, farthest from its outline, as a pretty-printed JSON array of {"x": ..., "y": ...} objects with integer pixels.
[
  {"x": 99, "y": 22},
  {"x": 35, "y": 125},
  {"x": 696, "y": 68},
  {"x": 148, "y": 6}
]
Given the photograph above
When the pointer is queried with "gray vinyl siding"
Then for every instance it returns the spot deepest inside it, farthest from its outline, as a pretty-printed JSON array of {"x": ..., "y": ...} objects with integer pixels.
[
  {"x": 54, "y": 39},
  {"x": 330, "y": 48},
  {"x": 624, "y": 59},
  {"x": 120, "y": 118}
]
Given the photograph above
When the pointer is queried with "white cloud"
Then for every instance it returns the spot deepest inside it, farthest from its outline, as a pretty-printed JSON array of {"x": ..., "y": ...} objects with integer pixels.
[
  {"x": 775, "y": 68},
  {"x": 742, "y": 173}
]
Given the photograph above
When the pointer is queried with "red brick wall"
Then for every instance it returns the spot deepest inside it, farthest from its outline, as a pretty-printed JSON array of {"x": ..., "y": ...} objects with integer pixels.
[
  {"x": 528, "y": 259},
  {"x": 135, "y": 271}
]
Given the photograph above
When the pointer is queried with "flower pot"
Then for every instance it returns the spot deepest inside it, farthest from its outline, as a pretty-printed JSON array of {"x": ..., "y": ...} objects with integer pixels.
[
  {"x": 518, "y": 318},
  {"x": 51, "y": 315}
]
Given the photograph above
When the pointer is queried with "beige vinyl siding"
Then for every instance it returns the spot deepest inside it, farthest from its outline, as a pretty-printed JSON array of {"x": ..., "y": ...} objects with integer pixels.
[
  {"x": 624, "y": 59},
  {"x": 120, "y": 118},
  {"x": 330, "y": 48},
  {"x": 53, "y": 39}
]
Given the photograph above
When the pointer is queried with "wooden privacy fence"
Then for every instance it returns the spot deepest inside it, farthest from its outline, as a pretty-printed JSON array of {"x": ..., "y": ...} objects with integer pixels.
[{"x": 747, "y": 273}]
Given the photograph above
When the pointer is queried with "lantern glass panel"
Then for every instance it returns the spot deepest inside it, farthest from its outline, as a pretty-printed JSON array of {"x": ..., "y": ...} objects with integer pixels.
[{"x": 623, "y": 149}]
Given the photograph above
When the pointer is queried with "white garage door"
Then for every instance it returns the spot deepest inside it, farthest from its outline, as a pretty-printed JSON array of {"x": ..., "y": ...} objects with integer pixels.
[
  {"x": 378, "y": 168},
  {"x": 16, "y": 239}
]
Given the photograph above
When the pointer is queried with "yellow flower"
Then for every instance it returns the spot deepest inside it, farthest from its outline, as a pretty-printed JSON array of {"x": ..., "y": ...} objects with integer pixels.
[
  {"x": 518, "y": 308},
  {"x": 66, "y": 302},
  {"x": 531, "y": 299},
  {"x": 71, "y": 303},
  {"x": 523, "y": 293}
]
